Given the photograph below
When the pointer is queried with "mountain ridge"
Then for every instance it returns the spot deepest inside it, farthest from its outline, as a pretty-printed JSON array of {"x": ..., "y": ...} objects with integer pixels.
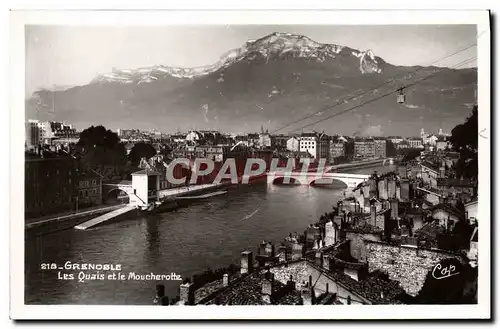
[{"x": 273, "y": 80}]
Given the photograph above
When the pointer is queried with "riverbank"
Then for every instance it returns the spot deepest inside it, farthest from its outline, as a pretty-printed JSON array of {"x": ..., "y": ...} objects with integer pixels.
[
  {"x": 359, "y": 164},
  {"x": 31, "y": 223}
]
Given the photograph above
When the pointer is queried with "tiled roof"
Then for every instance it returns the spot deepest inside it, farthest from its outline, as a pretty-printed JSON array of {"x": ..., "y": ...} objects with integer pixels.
[
  {"x": 454, "y": 182},
  {"x": 430, "y": 165},
  {"x": 365, "y": 228},
  {"x": 376, "y": 290},
  {"x": 448, "y": 208},
  {"x": 146, "y": 172},
  {"x": 428, "y": 234},
  {"x": 248, "y": 291}
]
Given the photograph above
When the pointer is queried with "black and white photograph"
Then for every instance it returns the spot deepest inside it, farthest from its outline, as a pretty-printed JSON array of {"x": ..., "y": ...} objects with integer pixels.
[{"x": 193, "y": 162}]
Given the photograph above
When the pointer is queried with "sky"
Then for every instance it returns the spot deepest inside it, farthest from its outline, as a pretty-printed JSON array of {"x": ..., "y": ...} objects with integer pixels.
[{"x": 74, "y": 55}]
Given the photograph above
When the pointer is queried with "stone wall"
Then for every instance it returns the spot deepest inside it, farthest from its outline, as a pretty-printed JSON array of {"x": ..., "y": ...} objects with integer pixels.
[
  {"x": 300, "y": 272},
  {"x": 358, "y": 246},
  {"x": 406, "y": 264}
]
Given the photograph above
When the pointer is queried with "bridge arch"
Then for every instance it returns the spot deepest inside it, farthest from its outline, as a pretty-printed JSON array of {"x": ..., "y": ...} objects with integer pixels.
[
  {"x": 117, "y": 196},
  {"x": 282, "y": 181},
  {"x": 330, "y": 181}
]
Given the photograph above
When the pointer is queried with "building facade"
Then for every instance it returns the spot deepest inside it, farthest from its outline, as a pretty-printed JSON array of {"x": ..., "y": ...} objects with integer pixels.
[
  {"x": 317, "y": 145},
  {"x": 338, "y": 148},
  {"x": 380, "y": 148},
  {"x": 292, "y": 144},
  {"x": 415, "y": 143},
  {"x": 309, "y": 143},
  {"x": 49, "y": 185},
  {"x": 89, "y": 190},
  {"x": 364, "y": 148}
]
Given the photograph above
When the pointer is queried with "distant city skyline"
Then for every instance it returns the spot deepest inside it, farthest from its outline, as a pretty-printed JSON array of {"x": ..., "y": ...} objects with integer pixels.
[{"x": 74, "y": 55}]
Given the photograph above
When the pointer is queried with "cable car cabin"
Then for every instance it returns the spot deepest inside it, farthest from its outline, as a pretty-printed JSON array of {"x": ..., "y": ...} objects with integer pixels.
[{"x": 401, "y": 96}]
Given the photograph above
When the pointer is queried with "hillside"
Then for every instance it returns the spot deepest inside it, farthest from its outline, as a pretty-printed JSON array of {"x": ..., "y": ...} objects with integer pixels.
[{"x": 271, "y": 81}]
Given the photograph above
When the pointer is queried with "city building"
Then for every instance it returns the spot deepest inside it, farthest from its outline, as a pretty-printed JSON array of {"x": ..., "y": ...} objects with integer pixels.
[
  {"x": 395, "y": 139},
  {"x": 308, "y": 143},
  {"x": 316, "y": 144},
  {"x": 442, "y": 143},
  {"x": 49, "y": 185},
  {"x": 253, "y": 139},
  {"x": 380, "y": 147},
  {"x": 213, "y": 152},
  {"x": 241, "y": 140},
  {"x": 471, "y": 212},
  {"x": 292, "y": 144},
  {"x": 403, "y": 145},
  {"x": 280, "y": 141},
  {"x": 323, "y": 146},
  {"x": 265, "y": 140},
  {"x": 33, "y": 134},
  {"x": 338, "y": 148},
  {"x": 89, "y": 189},
  {"x": 415, "y": 142},
  {"x": 364, "y": 148},
  {"x": 428, "y": 139},
  {"x": 430, "y": 173}
]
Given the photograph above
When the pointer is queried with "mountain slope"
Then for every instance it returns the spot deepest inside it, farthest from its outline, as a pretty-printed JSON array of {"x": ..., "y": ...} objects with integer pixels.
[{"x": 271, "y": 81}]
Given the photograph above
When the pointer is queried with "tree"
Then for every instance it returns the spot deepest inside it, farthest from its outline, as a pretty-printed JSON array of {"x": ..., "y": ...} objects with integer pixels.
[
  {"x": 100, "y": 148},
  {"x": 141, "y": 150},
  {"x": 391, "y": 150},
  {"x": 464, "y": 139},
  {"x": 410, "y": 154},
  {"x": 455, "y": 289}
]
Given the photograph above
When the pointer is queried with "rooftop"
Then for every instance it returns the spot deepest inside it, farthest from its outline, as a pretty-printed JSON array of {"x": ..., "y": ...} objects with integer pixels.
[
  {"x": 248, "y": 291},
  {"x": 454, "y": 182},
  {"x": 146, "y": 172},
  {"x": 373, "y": 288},
  {"x": 448, "y": 208}
]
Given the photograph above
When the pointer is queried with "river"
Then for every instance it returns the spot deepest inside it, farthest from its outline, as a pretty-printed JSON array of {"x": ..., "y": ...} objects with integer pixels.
[{"x": 209, "y": 234}]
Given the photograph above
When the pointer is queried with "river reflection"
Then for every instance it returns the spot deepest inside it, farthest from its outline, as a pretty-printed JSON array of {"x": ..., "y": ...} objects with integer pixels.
[{"x": 208, "y": 234}]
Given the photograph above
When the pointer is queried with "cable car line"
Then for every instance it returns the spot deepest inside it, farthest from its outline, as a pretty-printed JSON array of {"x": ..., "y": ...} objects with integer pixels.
[
  {"x": 384, "y": 95},
  {"x": 342, "y": 101}
]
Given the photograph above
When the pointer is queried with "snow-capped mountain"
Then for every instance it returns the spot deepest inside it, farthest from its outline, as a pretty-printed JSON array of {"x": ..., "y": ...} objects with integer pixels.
[
  {"x": 283, "y": 45},
  {"x": 271, "y": 81}
]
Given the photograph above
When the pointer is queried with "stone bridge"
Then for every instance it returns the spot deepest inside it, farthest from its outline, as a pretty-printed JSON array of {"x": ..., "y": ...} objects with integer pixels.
[
  {"x": 314, "y": 178},
  {"x": 127, "y": 188}
]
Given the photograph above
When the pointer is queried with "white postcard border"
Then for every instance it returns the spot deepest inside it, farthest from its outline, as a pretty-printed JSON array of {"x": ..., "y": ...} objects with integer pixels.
[{"x": 17, "y": 77}]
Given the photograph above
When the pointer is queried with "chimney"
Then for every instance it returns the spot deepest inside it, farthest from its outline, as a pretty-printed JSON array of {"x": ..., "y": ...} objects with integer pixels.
[
  {"x": 160, "y": 298},
  {"x": 442, "y": 172},
  {"x": 373, "y": 213},
  {"x": 326, "y": 262},
  {"x": 187, "y": 293},
  {"x": 340, "y": 207},
  {"x": 318, "y": 258},
  {"x": 246, "y": 262},
  {"x": 283, "y": 257},
  {"x": 225, "y": 280},
  {"x": 306, "y": 296},
  {"x": 290, "y": 284},
  {"x": 267, "y": 287},
  {"x": 395, "y": 208}
]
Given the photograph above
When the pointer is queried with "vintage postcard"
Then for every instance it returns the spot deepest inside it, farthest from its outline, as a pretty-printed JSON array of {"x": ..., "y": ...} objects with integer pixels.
[{"x": 314, "y": 164}]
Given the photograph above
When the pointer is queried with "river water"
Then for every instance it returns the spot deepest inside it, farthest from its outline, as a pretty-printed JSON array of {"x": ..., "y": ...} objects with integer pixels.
[{"x": 209, "y": 234}]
